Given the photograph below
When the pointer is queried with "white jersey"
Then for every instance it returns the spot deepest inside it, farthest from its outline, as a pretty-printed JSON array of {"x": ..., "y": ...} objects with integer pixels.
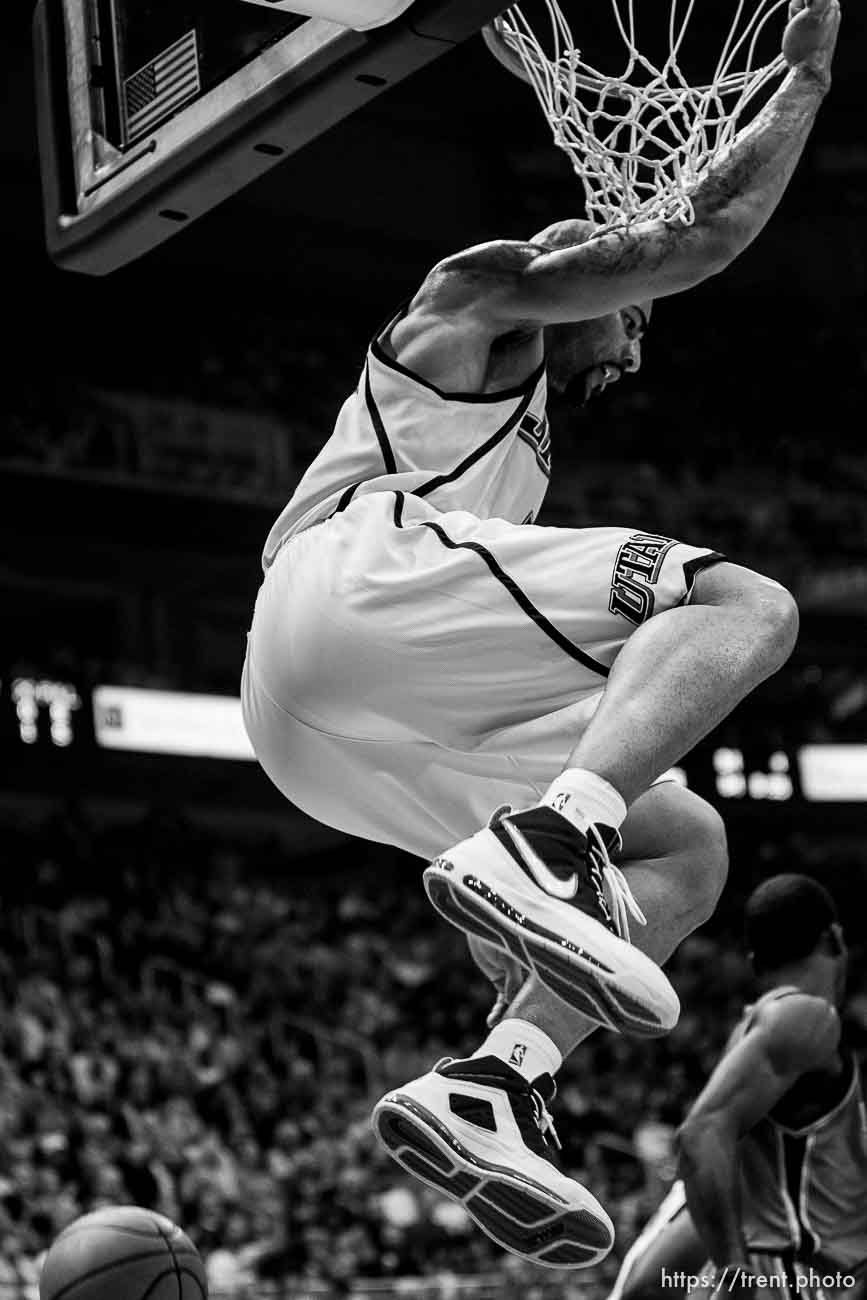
[
  {"x": 420, "y": 650},
  {"x": 488, "y": 454}
]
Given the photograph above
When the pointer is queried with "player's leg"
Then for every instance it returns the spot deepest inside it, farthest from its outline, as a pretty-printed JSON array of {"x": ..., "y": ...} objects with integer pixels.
[
  {"x": 540, "y": 881},
  {"x": 675, "y": 860},
  {"x": 478, "y": 1129},
  {"x": 389, "y": 782},
  {"x": 682, "y": 672},
  {"x": 501, "y": 647},
  {"x": 666, "y": 1259}
]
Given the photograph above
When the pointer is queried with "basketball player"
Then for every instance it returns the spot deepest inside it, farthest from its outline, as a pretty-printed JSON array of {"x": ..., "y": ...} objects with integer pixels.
[
  {"x": 774, "y": 1151},
  {"x": 423, "y": 652}
]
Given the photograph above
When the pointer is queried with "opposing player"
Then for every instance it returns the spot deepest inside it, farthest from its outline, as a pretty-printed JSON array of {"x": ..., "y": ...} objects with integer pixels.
[
  {"x": 774, "y": 1151},
  {"x": 422, "y": 652}
]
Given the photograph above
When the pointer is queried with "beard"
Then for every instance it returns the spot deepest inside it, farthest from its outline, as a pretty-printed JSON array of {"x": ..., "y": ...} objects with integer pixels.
[
  {"x": 577, "y": 392},
  {"x": 590, "y": 381}
]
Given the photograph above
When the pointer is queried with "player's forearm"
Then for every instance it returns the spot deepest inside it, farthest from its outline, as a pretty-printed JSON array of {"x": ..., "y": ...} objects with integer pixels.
[
  {"x": 732, "y": 203},
  {"x": 742, "y": 189},
  {"x": 709, "y": 1168}
]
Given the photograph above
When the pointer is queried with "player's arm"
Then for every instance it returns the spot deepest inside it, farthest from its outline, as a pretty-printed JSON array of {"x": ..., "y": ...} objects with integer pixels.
[
  {"x": 521, "y": 286},
  {"x": 790, "y": 1038}
]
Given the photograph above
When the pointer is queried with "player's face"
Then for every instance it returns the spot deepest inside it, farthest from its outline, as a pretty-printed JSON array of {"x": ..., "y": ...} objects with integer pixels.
[{"x": 584, "y": 358}]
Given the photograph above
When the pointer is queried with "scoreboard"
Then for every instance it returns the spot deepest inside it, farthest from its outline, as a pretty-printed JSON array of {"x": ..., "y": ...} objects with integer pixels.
[{"x": 48, "y": 717}]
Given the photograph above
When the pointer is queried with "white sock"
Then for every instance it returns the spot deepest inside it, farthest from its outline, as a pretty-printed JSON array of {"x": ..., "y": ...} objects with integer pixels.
[
  {"x": 585, "y": 799},
  {"x": 527, "y": 1049}
]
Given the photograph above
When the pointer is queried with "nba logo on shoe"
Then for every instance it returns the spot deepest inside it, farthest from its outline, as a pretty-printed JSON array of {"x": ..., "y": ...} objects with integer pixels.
[
  {"x": 519, "y": 1051},
  {"x": 559, "y": 802}
]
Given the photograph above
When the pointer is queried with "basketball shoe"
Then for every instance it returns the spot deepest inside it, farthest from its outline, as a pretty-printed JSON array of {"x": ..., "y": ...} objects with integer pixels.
[
  {"x": 549, "y": 896},
  {"x": 477, "y": 1131}
]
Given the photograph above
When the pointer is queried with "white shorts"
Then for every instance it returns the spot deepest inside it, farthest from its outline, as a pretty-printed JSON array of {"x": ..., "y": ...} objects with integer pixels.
[{"x": 409, "y": 671}]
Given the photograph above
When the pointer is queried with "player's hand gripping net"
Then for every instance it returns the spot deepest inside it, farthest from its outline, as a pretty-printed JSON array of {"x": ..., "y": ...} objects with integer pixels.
[
  {"x": 641, "y": 139},
  {"x": 810, "y": 36}
]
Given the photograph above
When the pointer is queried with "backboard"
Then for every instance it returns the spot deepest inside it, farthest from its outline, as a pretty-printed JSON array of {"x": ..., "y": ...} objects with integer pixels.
[{"x": 151, "y": 112}]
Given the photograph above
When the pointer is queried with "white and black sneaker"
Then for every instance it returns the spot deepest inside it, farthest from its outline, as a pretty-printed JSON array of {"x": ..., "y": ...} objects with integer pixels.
[
  {"x": 477, "y": 1131},
  {"x": 549, "y": 896}
]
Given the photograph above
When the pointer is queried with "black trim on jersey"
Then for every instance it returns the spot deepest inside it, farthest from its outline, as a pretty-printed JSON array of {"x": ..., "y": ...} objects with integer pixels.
[
  {"x": 468, "y": 461},
  {"x": 378, "y": 426},
  {"x": 849, "y": 1080},
  {"x": 794, "y": 1154},
  {"x": 518, "y": 595},
  {"x": 389, "y": 323},
  {"x": 787, "y": 1264},
  {"x": 693, "y": 567},
  {"x": 382, "y": 356},
  {"x": 345, "y": 498}
]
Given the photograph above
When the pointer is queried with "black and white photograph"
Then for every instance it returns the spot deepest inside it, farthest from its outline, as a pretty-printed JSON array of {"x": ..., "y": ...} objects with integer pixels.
[{"x": 433, "y": 680}]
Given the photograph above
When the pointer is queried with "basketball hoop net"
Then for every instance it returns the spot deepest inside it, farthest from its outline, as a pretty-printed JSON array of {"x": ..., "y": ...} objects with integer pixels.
[{"x": 641, "y": 139}]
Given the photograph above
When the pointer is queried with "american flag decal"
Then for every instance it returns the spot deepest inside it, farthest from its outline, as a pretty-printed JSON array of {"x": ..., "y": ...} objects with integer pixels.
[{"x": 161, "y": 86}]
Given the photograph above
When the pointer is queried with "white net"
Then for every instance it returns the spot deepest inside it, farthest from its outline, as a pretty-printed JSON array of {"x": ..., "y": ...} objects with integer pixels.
[{"x": 641, "y": 138}]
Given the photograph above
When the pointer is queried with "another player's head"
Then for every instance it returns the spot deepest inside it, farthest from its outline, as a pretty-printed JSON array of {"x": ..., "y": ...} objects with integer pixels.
[
  {"x": 794, "y": 935},
  {"x": 585, "y": 356}
]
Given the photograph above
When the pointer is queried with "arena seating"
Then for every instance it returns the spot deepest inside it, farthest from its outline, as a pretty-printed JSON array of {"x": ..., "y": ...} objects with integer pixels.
[{"x": 188, "y": 1027}]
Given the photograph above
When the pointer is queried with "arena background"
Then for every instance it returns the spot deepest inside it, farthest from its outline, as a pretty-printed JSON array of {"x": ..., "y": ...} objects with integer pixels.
[{"x": 200, "y": 990}]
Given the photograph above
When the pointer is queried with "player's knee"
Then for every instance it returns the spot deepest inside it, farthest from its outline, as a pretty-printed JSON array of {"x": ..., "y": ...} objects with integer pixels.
[
  {"x": 769, "y": 609},
  {"x": 673, "y": 824},
  {"x": 777, "y": 616},
  {"x": 712, "y": 861},
  {"x": 707, "y": 844}
]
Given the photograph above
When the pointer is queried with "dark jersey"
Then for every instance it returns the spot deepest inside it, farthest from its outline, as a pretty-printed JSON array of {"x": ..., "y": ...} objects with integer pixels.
[{"x": 804, "y": 1180}]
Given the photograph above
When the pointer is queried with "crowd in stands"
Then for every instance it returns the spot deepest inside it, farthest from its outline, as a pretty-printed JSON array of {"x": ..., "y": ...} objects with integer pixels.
[
  {"x": 202, "y": 1030},
  {"x": 739, "y": 436}
]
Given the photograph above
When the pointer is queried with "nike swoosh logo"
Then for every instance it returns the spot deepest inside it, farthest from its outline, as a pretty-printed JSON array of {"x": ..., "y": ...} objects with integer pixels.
[{"x": 541, "y": 873}]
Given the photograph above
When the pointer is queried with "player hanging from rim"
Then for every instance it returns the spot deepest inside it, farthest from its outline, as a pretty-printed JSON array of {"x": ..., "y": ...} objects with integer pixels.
[
  {"x": 420, "y": 653},
  {"x": 774, "y": 1151}
]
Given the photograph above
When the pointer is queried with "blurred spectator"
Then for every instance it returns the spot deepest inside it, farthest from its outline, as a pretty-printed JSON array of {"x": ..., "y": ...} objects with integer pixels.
[{"x": 228, "y": 1084}]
